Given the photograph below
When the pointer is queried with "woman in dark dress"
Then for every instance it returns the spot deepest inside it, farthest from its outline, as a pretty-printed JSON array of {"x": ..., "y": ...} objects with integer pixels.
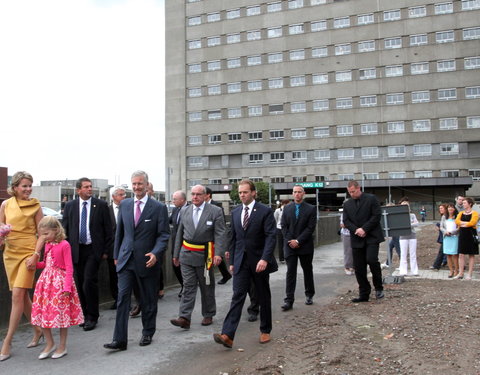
[{"x": 467, "y": 234}]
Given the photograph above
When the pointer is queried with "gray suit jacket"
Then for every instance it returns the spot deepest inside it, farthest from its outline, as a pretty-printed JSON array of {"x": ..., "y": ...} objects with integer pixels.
[{"x": 211, "y": 227}]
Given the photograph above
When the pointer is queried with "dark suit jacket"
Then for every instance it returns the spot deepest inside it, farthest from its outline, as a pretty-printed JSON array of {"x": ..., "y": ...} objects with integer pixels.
[
  {"x": 100, "y": 227},
  {"x": 367, "y": 216},
  {"x": 114, "y": 228},
  {"x": 258, "y": 240},
  {"x": 300, "y": 229},
  {"x": 173, "y": 222},
  {"x": 149, "y": 236}
]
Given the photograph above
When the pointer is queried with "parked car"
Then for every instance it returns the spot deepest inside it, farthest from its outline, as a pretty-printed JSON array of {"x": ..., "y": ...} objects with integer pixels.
[{"x": 49, "y": 212}]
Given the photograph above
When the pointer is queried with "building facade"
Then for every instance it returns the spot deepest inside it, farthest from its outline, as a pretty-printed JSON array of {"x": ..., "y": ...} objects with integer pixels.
[{"x": 291, "y": 91}]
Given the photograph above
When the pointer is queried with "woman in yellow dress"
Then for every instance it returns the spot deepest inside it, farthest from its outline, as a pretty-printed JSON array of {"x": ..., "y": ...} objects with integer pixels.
[{"x": 23, "y": 214}]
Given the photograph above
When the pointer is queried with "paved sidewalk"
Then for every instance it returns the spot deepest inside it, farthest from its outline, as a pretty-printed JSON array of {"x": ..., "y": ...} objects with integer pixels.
[{"x": 173, "y": 350}]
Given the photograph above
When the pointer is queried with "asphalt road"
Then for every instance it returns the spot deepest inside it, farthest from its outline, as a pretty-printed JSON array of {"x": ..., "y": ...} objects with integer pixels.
[{"x": 173, "y": 350}]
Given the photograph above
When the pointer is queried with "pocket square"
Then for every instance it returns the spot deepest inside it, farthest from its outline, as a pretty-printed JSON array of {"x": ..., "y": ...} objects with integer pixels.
[{"x": 147, "y": 220}]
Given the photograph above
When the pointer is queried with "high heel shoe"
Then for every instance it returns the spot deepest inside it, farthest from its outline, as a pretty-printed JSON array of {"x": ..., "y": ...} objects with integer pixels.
[
  {"x": 34, "y": 343},
  {"x": 450, "y": 275},
  {"x": 4, "y": 357},
  {"x": 44, "y": 355},
  {"x": 458, "y": 277}
]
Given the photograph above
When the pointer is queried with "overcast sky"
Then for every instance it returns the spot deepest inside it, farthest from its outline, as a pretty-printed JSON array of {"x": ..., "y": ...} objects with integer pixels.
[{"x": 82, "y": 88}]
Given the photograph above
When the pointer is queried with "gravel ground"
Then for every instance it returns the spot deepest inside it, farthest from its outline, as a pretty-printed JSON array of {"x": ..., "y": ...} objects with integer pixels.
[{"x": 422, "y": 327}]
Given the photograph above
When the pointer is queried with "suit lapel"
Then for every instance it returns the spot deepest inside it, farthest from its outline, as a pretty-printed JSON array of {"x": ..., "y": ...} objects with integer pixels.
[
  {"x": 145, "y": 212},
  {"x": 93, "y": 209},
  {"x": 127, "y": 213}
]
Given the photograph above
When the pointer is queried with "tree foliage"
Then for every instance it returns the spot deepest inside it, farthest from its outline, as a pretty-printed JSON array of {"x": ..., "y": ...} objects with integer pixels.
[{"x": 262, "y": 193}]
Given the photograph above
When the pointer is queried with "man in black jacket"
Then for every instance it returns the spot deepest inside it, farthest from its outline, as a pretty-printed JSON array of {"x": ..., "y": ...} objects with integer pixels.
[
  {"x": 299, "y": 221},
  {"x": 361, "y": 215},
  {"x": 89, "y": 231}
]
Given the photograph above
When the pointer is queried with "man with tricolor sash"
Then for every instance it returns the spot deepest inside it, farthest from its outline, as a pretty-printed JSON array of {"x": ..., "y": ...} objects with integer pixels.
[{"x": 200, "y": 243}]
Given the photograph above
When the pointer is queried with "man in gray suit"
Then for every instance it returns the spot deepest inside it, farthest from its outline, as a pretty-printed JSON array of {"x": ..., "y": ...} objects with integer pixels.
[
  {"x": 201, "y": 228},
  {"x": 141, "y": 238}
]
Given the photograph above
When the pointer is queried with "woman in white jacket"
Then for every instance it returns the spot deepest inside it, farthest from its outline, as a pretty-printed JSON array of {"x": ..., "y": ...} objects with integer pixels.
[{"x": 408, "y": 245}]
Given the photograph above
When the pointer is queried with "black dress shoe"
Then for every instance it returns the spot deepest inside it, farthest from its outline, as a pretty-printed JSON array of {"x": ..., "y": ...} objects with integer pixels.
[
  {"x": 81, "y": 325},
  {"x": 116, "y": 345},
  {"x": 145, "y": 340},
  {"x": 379, "y": 294},
  {"x": 252, "y": 317},
  {"x": 308, "y": 301},
  {"x": 89, "y": 325},
  {"x": 287, "y": 306},
  {"x": 359, "y": 299},
  {"x": 224, "y": 280}
]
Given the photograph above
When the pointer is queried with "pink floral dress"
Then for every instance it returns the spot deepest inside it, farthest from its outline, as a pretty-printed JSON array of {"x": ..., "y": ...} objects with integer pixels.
[{"x": 50, "y": 307}]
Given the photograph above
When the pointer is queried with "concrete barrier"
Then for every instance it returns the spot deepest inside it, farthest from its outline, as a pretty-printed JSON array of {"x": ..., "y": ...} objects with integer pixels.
[{"x": 326, "y": 233}]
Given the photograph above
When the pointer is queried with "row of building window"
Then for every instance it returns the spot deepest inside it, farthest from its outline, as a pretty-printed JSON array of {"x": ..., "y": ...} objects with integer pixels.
[
  {"x": 336, "y": 23},
  {"x": 337, "y": 76},
  {"x": 474, "y": 173},
  {"x": 326, "y": 155},
  {"x": 298, "y": 54},
  {"x": 390, "y": 127},
  {"x": 444, "y": 36},
  {"x": 364, "y": 101}
]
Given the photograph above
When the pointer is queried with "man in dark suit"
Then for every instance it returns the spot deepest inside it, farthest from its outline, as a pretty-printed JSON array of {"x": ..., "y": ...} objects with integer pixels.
[
  {"x": 361, "y": 216},
  {"x": 299, "y": 220},
  {"x": 89, "y": 231},
  {"x": 140, "y": 240},
  {"x": 201, "y": 228},
  {"x": 179, "y": 199},
  {"x": 253, "y": 238},
  {"x": 118, "y": 195}
]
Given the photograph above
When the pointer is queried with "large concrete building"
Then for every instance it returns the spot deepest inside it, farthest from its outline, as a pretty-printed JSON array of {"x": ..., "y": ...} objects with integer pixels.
[{"x": 289, "y": 91}]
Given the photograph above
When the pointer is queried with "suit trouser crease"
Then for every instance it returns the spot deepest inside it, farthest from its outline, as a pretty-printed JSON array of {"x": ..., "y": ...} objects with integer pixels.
[
  {"x": 307, "y": 267},
  {"x": 86, "y": 271},
  {"x": 367, "y": 255},
  {"x": 193, "y": 276},
  {"x": 241, "y": 286}
]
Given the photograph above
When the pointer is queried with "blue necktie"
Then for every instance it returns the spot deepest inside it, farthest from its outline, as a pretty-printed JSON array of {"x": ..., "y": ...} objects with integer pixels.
[
  {"x": 83, "y": 225},
  {"x": 297, "y": 211}
]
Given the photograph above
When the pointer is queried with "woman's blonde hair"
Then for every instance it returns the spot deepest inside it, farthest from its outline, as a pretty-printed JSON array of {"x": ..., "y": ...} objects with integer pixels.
[
  {"x": 51, "y": 222},
  {"x": 16, "y": 179}
]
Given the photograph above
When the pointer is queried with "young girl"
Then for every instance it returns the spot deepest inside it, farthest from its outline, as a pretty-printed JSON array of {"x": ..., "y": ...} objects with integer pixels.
[{"x": 55, "y": 302}]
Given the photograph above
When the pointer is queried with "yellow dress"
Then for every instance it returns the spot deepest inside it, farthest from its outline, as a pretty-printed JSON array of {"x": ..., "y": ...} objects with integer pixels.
[{"x": 20, "y": 243}]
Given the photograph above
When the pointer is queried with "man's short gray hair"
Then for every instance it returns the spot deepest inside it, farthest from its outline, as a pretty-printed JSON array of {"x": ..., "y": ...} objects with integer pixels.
[
  {"x": 140, "y": 173},
  {"x": 116, "y": 189}
]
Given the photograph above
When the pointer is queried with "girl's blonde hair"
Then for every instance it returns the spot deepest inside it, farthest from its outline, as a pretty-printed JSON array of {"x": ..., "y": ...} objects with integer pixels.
[{"x": 50, "y": 222}]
